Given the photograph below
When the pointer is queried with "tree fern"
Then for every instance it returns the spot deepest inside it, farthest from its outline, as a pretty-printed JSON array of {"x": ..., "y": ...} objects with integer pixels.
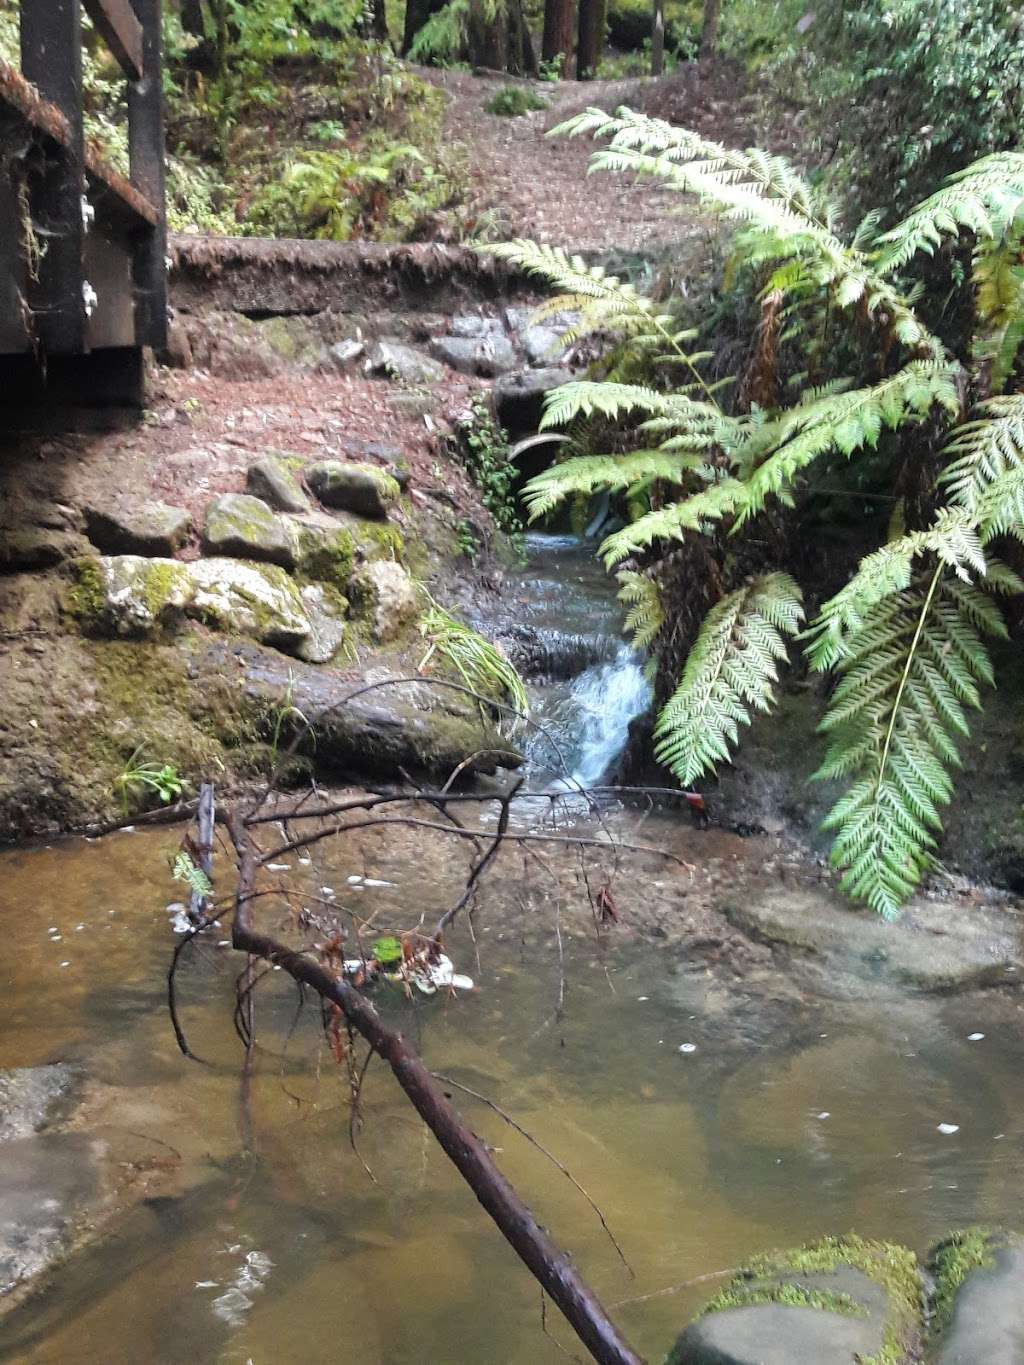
[
  {"x": 731, "y": 671},
  {"x": 981, "y": 450},
  {"x": 646, "y": 614},
  {"x": 909, "y": 674}
]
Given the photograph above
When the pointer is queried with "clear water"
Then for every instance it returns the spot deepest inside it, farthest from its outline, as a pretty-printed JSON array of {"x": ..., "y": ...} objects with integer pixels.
[
  {"x": 267, "y": 1241},
  {"x": 782, "y": 1124}
]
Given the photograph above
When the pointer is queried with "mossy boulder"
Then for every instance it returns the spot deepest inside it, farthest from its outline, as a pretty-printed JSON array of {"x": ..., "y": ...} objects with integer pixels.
[
  {"x": 326, "y": 609},
  {"x": 329, "y": 548},
  {"x": 245, "y": 527},
  {"x": 404, "y": 364},
  {"x": 145, "y": 528},
  {"x": 361, "y": 488},
  {"x": 834, "y": 1300},
  {"x": 127, "y": 596},
  {"x": 385, "y": 598},
  {"x": 241, "y": 598},
  {"x": 978, "y": 1305},
  {"x": 274, "y": 478}
]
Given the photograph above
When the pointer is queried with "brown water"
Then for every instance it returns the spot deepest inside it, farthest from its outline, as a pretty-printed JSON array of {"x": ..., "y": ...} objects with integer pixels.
[{"x": 787, "y": 1122}]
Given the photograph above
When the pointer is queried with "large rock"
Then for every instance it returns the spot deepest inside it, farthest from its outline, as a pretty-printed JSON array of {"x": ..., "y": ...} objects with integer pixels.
[
  {"x": 360, "y": 488},
  {"x": 979, "y": 1299},
  {"x": 128, "y": 596},
  {"x": 30, "y": 1097},
  {"x": 328, "y": 548},
  {"x": 486, "y": 356},
  {"x": 386, "y": 598},
  {"x": 245, "y": 527},
  {"x": 326, "y": 609},
  {"x": 394, "y": 726},
  {"x": 273, "y": 478},
  {"x": 833, "y": 1302},
  {"x": 249, "y": 599},
  {"x": 519, "y": 398},
  {"x": 148, "y": 528},
  {"x": 46, "y": 1184},
  {"x": 405, "y": 364},
  {"x": 929, "y": 947},
  {"x": 36, "y": 533}
]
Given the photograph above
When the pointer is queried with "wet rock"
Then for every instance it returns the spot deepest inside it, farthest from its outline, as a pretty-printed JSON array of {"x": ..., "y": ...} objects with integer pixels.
[
  {"x": 405, "y": 364},
  {"x": 979, "y": 1291},
  {"x": 407, "y": 725},
  {"x": 128, "y": 596},
  {"x": 474, "y": 325},
  {"x": 31, "y": 1096},
  {"x": 273, "y": 479},
  {"x": 930, "y": 947},
  {"x": 38, "y": 547},
  {"x": 486, "y": 356},
  {"x": 385, "y": 596},
  {"x": 149, "y": 528},
  {"x": 360, "y": 488},
  {"x": 46, "y": 1182},
  {"x": 326, "y": 610},
  {"x": 831, "y": 1302},
  {"x": 260, "y": 600},
  {"x": 244, "y": 527},
  {"x": 519, "y": 398},
  {"x": 342, "y": 356}
]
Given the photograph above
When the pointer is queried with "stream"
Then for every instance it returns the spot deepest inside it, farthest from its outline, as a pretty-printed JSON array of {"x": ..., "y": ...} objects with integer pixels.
[{"x": 707, "y": 1121}]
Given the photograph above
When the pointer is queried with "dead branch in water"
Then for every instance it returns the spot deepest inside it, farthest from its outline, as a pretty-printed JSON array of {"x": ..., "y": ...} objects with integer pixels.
[{"x": 550, "y": 1266}]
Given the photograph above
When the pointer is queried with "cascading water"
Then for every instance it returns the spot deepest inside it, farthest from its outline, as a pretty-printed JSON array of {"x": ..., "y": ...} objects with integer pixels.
[{"x": 586, "y": 684}]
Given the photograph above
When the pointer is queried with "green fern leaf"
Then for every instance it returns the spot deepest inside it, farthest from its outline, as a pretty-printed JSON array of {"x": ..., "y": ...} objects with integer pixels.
[
  {"x": 646, "y": 614},
  {"x": 731, "y": 671}
]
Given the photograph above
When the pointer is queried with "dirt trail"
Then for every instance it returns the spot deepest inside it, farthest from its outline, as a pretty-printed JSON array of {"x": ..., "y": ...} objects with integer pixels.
[{"x": 534, "y": 186}]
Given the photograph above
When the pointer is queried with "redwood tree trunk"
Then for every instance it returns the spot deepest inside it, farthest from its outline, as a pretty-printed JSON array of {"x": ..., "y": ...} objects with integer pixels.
[
  {"x": 658, "y": 38},
  {"x": 591, "y": 38},
  {"x": 417, "y": 12},
  {"x": 709, "y": 30},
  {"x": 559, "y": 22}
]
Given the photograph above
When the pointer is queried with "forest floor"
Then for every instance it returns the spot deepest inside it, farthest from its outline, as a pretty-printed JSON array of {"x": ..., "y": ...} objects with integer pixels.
[{"x": 524, "y": 183}]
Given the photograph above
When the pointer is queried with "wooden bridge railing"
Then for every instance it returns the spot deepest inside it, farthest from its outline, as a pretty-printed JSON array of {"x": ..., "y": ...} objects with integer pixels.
[{"x": 82, "y": 248}]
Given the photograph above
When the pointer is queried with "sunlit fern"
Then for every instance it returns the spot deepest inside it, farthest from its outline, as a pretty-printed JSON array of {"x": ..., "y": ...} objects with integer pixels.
[{"x": 646, "y": 612}]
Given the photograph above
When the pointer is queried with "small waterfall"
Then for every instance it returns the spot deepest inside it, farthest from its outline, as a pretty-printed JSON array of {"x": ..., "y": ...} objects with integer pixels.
[{"x": 590, "y": 720}]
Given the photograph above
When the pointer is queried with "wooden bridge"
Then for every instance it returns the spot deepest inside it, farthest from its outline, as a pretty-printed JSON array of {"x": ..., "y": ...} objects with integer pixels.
[{"x": 83, "y": 279}]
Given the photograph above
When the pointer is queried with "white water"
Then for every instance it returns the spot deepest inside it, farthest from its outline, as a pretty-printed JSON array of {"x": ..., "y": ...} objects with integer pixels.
[{"x": 601, "y": 703}]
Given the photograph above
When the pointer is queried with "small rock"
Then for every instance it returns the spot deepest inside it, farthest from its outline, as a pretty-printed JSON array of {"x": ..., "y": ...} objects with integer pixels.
[
  {"x": 386, "y": 597},
  {"x": 341, "y": 357},
  {"x": 472, "y": 325},
  {"x": 149, "y": 528},
  {"x": 178, "y": 352},
  {"x": 273, "y": 479},
  {"x": 29, "y": 1095},
  {"x": 543, "y": 345},
  {"x": 326, "y": 610},
  {"x": 249, "y": 599},
  {"x": 360, "y": 488},
  {"x": 405, "y": 364},
  {"x": 242, "y": 526},
  {"x": 128, "y": 595},
  {"x": 486, "y": 356},
  {"x": 412, "y": 404},
  {"x": 38, "y": 547}
]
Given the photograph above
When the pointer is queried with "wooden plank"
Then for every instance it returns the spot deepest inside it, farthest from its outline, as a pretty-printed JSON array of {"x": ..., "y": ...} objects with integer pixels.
[
  {"x": 51, "y": 59},
  {"x": 46, "y": 118},
  {"x": 146, "y": 151},
  {"x": 118, "y": 26}
]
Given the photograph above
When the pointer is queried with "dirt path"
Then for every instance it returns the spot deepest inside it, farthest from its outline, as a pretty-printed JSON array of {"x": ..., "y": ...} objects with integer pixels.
[{"x": 528, "y": 184}]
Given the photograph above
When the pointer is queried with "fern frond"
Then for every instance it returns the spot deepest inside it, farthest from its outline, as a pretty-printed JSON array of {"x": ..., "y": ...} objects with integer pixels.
[
  {"x": 953, "y": 539},
  {"x": 674, "y": 520},
  {"x": 731, "y": 671},
  {"x": 585, "y": 398},
  {"x": 983, "y": 199},
  {"x": 910, "y": 672},
  {"x": 590, "y": 473},
  {"x": 185, "y": 870},
  {"x": 984, "y": 449},
  {"x": 646, "y": 614},
  {"x": 999, "y": 293}
]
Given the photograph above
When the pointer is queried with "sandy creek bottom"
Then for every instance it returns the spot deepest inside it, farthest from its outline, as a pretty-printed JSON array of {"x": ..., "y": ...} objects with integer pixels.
[{"x": 785, "y": 1121}]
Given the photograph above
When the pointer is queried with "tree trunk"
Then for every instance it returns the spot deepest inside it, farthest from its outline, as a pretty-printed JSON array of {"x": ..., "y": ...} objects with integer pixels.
[
  {"x": 591, "y": 38},
  {"x": 500, "y": 43},
  {"x": 709, "y": 31},
  {"x": 559, "y": 22},
  {"x": 417, "y": 12},
  {"x": 658, "y": 38}
]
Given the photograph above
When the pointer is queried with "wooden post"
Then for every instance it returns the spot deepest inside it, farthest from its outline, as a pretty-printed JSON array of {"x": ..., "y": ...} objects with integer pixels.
[
  {"x": 51, "y": 58},
  {"x": 146, "y": 152}
]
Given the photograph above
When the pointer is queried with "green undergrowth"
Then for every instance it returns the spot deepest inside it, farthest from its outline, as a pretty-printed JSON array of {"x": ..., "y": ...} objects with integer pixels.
[{"x": 951, "y": 1261}]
